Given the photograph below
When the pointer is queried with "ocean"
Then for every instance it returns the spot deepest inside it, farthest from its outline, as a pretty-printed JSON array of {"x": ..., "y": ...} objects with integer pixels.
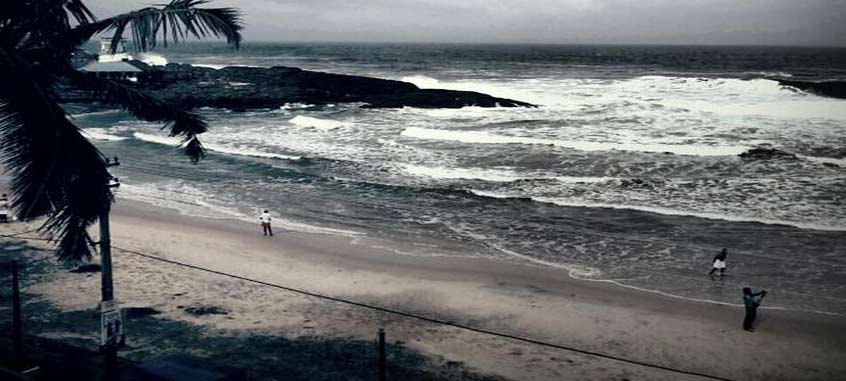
[{"x": 628, "y": 172}]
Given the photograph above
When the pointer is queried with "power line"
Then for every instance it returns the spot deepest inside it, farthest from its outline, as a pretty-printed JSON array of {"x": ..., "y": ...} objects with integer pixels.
[{"x": 423, "y": 318}]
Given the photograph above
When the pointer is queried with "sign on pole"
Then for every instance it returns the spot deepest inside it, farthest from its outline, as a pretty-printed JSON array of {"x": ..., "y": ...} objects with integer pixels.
[{"x": 111, "y": 324}]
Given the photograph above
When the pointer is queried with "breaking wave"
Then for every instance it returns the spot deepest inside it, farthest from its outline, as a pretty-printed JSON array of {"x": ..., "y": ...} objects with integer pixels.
[{"x": 481, "y": 137}]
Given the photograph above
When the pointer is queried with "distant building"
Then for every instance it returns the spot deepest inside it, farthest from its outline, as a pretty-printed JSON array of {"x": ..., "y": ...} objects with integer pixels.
[
  {"x": 120, "y": 52},
  {"x": 120, "y": 70}
]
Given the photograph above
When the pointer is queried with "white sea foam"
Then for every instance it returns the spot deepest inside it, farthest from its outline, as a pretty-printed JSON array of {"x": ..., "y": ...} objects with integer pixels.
[
  {"x": 93, "y": 113},
  {"x": 192, "y": 201},
  {"x": 496, "y": 175},
  {"x": 481, "y": 137},
  {"x": 246, "y": 151},
  {"x": 575, "y": 271},
  {"x": 321, "y": 124},
  {"x": 422, "y": 81},
  {"x": 152, "y": 59},
  {"x": 295, "y": 106},
  {"x": 820, "y": 159},
  {"x": 227, "y": 149},
  {"x": 220, "y": 66},
  {"x": 98, "y": 134},
  {"x": 503, "y": 174},
  {"x": 666, "y": 211},
  {"x": 720, "y": 96},
  {"x": 159, "y": 139}
]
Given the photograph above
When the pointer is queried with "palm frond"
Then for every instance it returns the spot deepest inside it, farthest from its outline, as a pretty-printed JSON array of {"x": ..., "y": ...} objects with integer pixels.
[
  {"x": 79, "y": 11},
  {"x": 146, "y": 107},
  {"x": 54, "y": 170},
  {"x": 173, "y": 22}
]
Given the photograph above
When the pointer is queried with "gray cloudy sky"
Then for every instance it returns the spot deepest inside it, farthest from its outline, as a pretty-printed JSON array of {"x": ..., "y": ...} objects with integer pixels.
[{"x": 768, "y": 22}]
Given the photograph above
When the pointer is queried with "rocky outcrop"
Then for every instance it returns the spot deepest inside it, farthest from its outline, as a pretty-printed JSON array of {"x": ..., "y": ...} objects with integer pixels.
[
  {"x": 833, "y": 89},
  {"x": 241, "y": 88},
  {"x": 761, "y": 153}
]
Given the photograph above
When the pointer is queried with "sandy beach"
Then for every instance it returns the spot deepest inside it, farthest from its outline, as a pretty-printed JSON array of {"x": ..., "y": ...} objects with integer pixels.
[{"x": 540, "y": 303}]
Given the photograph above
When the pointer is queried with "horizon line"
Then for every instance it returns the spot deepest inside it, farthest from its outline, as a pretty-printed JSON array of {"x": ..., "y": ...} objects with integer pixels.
[{"x": 261, "y": 41}]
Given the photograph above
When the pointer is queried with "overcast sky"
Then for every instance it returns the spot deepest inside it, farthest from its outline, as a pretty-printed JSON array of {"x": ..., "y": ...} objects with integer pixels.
[{"x": 758, "y": 22}]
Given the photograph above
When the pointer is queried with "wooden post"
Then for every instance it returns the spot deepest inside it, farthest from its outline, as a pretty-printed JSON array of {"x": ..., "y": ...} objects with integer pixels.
[
  {"x": 106, "y": 288},
  {"x": 382, "y": 360},
  {"x": 17, "y": 321},
  {"x": 106, "y": 285}
]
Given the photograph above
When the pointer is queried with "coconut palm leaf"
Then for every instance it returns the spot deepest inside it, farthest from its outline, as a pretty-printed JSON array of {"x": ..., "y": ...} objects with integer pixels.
[
  {"x": 54, "y": 170},
  {"x": 175, "y": 21},
  {"x": 146, "y": 107}
]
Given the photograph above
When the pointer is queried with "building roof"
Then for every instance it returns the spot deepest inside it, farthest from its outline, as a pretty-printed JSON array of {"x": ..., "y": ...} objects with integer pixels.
[{"x": 111, "y": 67}]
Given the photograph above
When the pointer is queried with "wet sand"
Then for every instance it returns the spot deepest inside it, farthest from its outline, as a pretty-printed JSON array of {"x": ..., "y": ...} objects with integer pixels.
[{"x": 530, "y": 301}]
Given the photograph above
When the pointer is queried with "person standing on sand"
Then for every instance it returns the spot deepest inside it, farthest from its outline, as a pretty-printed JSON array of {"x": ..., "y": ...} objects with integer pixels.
[
  {"x": 751, "y": 301},
  {"x": 719, "y": 263},
  {"x": 265, "y": 223}
]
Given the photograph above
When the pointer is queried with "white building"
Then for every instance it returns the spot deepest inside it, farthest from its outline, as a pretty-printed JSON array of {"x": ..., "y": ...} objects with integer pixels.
[{"x": 120, "y": 53}]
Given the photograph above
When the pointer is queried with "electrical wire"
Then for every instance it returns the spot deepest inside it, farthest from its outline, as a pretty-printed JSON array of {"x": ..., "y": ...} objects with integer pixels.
[{"x": 424, "y": 318}]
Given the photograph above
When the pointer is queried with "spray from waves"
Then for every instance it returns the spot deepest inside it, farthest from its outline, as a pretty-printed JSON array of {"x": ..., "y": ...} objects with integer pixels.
[
  {"x": 480, "y": 137},
  {"x": 718, "y": 96},
  {"x": 320, "y": 124},
  {"x": 152, "y": 59},
  {"x": 233, "y": 150},
  {"x": 422, "y": 81},
  {"x": 661, "y": 210}
]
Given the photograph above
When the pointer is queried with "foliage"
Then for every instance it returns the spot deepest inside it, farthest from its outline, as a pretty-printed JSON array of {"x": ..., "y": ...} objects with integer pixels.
[{"x": 55, "y": 171}]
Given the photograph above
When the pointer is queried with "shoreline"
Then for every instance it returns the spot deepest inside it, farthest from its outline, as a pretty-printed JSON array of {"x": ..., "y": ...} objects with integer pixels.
[
  {"x": 541, "y": 303},
  {"x": 579, "y": 271}
]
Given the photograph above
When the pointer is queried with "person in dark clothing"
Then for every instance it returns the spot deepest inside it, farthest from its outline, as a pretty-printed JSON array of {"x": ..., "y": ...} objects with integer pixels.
[
  {"x": 719, "y": 263},
  {"x": 751, "y": 301},
  {"x": 4, "y": 208}
]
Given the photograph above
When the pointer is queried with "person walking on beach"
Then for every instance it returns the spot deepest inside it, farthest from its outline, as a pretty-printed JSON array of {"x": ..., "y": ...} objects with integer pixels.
[
  {"x": 719, "y": 263},
  {"x": 751, "y": 301},
  {"x": 4, "y": 208},
  {"x": 265, "y": 223}
]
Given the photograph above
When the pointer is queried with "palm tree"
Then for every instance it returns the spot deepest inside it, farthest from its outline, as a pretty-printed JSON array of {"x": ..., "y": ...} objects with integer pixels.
[{"x": 54, "y": 170}]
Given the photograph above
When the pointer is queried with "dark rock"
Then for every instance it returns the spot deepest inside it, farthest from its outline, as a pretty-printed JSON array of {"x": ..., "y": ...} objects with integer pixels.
[
  {"x": 760, "y": 153},
  {"x": 242, "y": 88},
  {"x": 139, "y": 312},
  {"x": 830, "y": 165},
  {"x": 639, "y": 183},
  {"x": 833, "y": 89},
  {"x": 87, "y": 268},
  {"x": 206, "y": 310}
]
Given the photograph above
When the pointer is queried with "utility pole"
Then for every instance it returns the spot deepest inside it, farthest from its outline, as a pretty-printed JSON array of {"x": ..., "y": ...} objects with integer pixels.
[
  {"x": 17, "y": 321},
  {"x": 382, "y": 376},
  {"x": 106, "y": 285}
]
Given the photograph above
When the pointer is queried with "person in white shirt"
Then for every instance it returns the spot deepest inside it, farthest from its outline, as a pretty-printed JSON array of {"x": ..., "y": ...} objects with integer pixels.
[{"x": 265, "y": 223}]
